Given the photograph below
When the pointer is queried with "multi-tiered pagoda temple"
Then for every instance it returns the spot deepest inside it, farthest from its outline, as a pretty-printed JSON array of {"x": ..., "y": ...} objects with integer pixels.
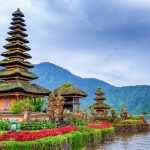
[
  {"x": 100, "y": 107},
  {"x": 15, "y": 78}
]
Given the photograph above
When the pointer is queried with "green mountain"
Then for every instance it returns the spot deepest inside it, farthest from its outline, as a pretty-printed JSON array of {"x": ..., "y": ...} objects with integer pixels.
[{"x": 135, "y": 98}]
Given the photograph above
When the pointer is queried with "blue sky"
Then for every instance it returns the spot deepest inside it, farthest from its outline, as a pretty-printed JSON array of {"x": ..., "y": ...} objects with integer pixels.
[{"x": 104, "y": 39}]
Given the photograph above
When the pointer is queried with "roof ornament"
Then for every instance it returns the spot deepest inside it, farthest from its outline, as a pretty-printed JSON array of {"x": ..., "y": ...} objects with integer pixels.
[
  {"x": 99, "y": 87},
  {"x": 18, "y": 9},
  {"x": 68, "y": 84}
]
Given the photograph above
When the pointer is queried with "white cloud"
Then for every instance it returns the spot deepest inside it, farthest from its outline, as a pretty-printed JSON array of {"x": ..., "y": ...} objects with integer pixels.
[
  {"x": 134, "y": 3},
  {"x": 68, "y": 33}
]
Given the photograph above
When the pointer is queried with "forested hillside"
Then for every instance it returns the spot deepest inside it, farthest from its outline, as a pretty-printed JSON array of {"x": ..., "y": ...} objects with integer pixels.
[{"x": 135, "y": 98}]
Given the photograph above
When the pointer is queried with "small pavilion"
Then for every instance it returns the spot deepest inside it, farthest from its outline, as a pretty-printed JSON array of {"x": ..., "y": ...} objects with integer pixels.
[{"x": 71, "y": 96}]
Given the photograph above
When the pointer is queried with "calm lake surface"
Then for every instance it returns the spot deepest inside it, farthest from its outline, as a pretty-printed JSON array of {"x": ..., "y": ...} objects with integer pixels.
[{"x": 140, "y": 141}]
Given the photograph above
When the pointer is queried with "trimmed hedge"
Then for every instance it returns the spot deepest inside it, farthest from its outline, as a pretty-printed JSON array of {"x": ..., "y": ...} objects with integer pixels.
[
  {"x": 30, "y": 125},
  {"x": 72, "y": 141},
  {"x": 41, "y": 144}
]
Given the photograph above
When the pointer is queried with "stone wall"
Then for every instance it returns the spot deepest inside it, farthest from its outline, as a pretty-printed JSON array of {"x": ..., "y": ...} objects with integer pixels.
[
  {"x": 132, "y": 128},
  {"x": 20, "y": 117}
]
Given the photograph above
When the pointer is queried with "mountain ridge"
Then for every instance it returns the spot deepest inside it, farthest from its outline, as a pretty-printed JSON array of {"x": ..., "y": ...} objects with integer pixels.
[{"x": 135, "y": 98}]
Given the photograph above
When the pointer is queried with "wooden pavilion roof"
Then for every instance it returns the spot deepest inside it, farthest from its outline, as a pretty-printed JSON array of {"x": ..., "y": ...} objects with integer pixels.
[{"x": 70, "y": 90}]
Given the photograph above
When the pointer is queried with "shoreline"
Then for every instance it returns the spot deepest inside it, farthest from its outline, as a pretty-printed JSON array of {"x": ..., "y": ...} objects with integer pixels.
[{"x": 76, "y": 140}]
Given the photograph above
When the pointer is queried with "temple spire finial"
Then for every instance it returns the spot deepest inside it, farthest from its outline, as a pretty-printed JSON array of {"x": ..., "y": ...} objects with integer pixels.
[
  {"x": 99, "y": 87},
  {"x": 18, "y": 9}
]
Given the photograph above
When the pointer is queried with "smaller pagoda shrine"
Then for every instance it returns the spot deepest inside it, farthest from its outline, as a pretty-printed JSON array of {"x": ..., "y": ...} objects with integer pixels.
[
  {"x": 100, "y": 108},
  {"x": 71, "y": 96}
]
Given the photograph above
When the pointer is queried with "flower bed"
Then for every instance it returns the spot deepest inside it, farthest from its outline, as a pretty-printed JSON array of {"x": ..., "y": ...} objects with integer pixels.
[
  {"x": 102, "y": 125},
  {"x": 73, "y": 140},
  {"x": 28, "y": 136},
  {"x": 131, "y": 121}
]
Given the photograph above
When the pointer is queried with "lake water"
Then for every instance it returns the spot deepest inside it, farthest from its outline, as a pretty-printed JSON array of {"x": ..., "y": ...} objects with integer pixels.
[{"x": 140, "y": 141}]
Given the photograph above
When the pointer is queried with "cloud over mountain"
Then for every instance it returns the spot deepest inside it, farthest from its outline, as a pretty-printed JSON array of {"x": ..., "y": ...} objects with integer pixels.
[{"x": 105, "y": 39}]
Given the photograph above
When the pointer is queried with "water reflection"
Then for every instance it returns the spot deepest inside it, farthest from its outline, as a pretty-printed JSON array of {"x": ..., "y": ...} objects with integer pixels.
[{"x": 139, "y": 141}]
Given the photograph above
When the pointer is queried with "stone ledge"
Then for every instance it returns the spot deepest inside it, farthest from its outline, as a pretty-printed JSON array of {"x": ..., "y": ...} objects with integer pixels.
[{"x": 131, "y": 128}]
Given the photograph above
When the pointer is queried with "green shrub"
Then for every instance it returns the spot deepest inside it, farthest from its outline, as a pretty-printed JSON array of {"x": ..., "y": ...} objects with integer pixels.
[
  {"x": 106, "y": 131},
  {"x": 40, "y": 144},
  {"x": 34, "y": 104},
  {"x": 109, "y": 119},
  {"x": 17, "y": 108},
  {"x": 21, "y": 105},
  {"x": 4, "y": 125},
  {"x": 75, "y": 140},
  {"x": 37, "y": 125},
  {"x": 32, "y": 125},
  {"x": 118, "y": 120},
  {"x": 77, "y": 121},
  {"x": 37, "y": 103}
]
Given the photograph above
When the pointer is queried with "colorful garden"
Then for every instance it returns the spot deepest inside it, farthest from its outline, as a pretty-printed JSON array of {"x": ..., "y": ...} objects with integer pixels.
[{"x": 79, "y": 131}]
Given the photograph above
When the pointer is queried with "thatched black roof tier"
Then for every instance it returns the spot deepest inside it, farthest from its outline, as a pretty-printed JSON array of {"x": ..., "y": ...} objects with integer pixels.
[
  {"x": 70, "y": 90},
  {"x": 99, "y": 94},
  {"x": 7, "y": 62},
  {"x": 18, "y": 32},
  {"x": 17, "y": 26},
  {"x": 20, "y": 38},
  {"x": 17, "y": 72},
  {"x": 99, "y": 91},
  {"x": 18, "y": 22},
  {"x": 18, "y": 18},
  {"x": 99, "y": 98},
  {"x": 26, "y": 87},
  {"x": 17, "y": 45},
  {"x": 100, "y": 106},
  {"x": 18, "y": 13},
  {"x": 16, "y": 53}
]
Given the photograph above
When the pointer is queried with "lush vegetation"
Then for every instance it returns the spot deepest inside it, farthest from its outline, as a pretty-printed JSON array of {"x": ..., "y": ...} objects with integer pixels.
[
  {"x": 30, "y": 125},
  {"x": 84, "y": 129},
  {"x": 72, "y": 140},
  {"x": 77, "y": 121},
  {"x": 4, "y": 125},
  {"x": 33, "y": 104},
  {"x": 37, "y": 125},
  {"x": 135, "y": 98},
  {"x": 81, "y": 133}
]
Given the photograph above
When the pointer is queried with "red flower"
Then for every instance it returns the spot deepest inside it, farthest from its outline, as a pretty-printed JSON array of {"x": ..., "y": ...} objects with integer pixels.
[
  {"x": 99, "y": 126},
  {"x": 143, "y": 120},
  {"x": 27, "y": 136}
]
